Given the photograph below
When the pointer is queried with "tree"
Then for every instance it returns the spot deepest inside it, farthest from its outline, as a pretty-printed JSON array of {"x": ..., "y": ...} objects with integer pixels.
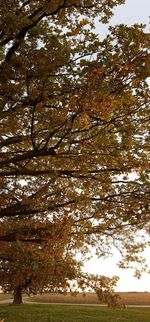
[
  {"x": 75, "y": 116},
  {"x": 30, "y": 269},
  {"x": 104, "y": 288}
]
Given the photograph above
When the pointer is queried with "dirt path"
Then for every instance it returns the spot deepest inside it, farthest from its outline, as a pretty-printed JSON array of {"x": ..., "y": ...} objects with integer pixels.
[{"x": 8, "y": 301}]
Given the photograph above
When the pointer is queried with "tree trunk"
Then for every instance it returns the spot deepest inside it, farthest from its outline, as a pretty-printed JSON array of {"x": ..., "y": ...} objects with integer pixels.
[{"x": 17, "y": 295}]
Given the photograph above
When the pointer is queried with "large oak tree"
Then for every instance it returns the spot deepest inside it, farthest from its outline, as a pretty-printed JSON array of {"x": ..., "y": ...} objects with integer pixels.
[{"x": 74, "y": 126}]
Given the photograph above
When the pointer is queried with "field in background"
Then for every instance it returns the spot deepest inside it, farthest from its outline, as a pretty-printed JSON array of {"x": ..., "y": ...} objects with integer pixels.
[
  {"x": 5, "y": 296},
  {"x": 128, "y": 298},
  {"x": 70, "y": 313}
]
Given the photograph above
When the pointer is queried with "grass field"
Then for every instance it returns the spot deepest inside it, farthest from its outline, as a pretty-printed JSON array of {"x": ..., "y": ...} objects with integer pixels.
[
  {"x": 62, "y": 313},
  {"x": 128, "y": 298}
]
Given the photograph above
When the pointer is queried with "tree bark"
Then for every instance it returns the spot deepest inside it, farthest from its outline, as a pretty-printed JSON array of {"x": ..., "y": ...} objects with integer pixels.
[{"x": 17, "y": 295}]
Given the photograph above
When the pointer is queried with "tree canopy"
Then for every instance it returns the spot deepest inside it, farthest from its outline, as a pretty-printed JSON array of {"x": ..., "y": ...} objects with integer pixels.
[
  {"x": 74, "y": 126},
  {"x": 30, "y": 269}
]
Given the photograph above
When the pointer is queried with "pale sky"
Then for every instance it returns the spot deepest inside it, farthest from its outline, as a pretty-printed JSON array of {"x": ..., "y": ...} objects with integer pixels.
[
  {"x": 133, "y": 11},
  {"x": 127, "y": 282}
]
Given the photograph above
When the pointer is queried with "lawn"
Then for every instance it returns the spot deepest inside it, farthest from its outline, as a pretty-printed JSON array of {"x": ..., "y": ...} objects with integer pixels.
[{"x": 70, "y": 313}]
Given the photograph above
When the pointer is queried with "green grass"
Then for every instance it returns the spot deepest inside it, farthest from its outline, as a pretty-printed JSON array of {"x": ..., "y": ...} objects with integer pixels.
[{"x": 70, "y": 313}]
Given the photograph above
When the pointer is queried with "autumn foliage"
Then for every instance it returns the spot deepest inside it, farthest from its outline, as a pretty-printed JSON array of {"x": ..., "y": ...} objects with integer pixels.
[{"x": 74, "y": 161}]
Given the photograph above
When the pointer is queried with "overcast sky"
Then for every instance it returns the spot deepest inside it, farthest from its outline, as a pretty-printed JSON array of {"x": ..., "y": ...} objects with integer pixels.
[{"x": 133, "y": 11}]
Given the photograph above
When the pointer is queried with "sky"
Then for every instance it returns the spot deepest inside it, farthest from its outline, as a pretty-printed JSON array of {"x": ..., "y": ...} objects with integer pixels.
[{"x": 133, "y": 11}]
